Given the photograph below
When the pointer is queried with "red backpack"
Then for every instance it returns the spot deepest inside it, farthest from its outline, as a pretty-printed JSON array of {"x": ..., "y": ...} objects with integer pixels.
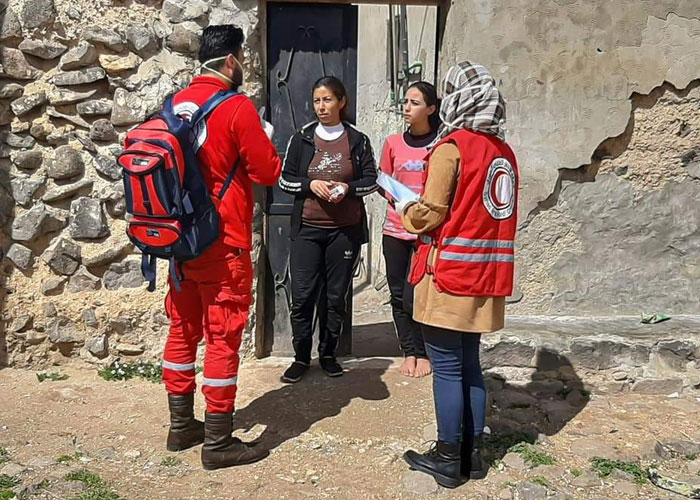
[{"x": 170, "y": 211}]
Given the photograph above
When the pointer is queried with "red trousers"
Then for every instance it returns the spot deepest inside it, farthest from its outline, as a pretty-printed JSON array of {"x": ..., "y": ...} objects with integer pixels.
[{"x": 212, "y": 304}]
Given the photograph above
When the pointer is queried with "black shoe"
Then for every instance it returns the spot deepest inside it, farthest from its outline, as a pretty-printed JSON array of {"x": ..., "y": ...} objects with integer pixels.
[
  {"x": 331, "y": 367},
  {"x": 185, "y": 431},
  {"x": 442, "y": 462},
  {"x": 473, "y": 465},
  {"x": 295, "y": 372},
  {"x": 223, "y": 450}
]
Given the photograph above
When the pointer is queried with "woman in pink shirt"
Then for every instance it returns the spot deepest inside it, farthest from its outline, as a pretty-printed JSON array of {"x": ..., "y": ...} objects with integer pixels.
[{"x": 404, "y": 158}]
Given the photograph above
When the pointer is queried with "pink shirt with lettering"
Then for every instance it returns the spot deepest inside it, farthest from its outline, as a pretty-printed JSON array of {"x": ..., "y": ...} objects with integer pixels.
[{"x": 405, "y": 164}]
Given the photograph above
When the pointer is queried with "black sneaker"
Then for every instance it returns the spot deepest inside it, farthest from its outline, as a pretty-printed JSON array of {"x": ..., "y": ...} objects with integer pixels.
[
  {"x": 331, "y": 367},
  {"x": 294, "y": 372}
]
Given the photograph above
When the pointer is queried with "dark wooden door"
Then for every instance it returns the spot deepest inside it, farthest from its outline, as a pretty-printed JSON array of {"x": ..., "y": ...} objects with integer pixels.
[{"x": 304, "y": 43}]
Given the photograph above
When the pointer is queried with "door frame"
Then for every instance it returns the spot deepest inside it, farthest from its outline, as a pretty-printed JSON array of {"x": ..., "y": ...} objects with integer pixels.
[{"x": 261, "y": 345}]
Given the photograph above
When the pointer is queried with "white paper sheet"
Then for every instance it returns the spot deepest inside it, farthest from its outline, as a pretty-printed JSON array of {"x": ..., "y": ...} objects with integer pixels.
[{"x": 400, "y": 192}]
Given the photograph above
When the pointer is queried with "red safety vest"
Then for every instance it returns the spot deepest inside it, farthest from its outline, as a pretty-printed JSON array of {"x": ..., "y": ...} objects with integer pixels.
[{"x": 475, "y": 243}]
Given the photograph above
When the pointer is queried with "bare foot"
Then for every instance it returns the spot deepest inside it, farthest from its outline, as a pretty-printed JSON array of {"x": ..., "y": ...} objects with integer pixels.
[
  {"x": 408, "y": 367},
  {"x": 423, "y": 368}
]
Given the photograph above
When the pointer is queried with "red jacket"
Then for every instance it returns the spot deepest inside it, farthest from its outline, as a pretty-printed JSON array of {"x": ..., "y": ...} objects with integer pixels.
[
  {"x": 475, "y": 244},
  {"x": 231, "y": 130}
]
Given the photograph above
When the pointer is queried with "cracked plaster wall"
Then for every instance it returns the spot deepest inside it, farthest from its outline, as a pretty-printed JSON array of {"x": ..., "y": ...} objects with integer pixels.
[{"x": 569, "y": 71}]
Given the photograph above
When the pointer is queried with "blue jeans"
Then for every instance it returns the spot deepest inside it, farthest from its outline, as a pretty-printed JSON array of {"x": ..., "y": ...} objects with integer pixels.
[{"x": 457, "y": 379}]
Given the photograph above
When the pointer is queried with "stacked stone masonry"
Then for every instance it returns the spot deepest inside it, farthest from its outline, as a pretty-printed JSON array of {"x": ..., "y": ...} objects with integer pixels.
[{"x": 74, "y": 77}]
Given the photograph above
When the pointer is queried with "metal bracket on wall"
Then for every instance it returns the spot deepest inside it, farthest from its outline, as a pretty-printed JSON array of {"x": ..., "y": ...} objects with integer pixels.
[{"x": 283, "y": 79}]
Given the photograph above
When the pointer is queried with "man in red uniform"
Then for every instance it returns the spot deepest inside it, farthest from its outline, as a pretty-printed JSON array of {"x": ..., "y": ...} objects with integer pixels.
[{"x": 216, "y": 290}]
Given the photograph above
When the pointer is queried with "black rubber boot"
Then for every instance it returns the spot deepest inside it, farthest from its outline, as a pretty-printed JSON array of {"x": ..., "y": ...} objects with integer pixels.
[
  {"x": 185, "y": 431},
  {"x": 472, "y": 464},
  {"x": 443, "y": 462},
  {"x": 223, "y": 450}
]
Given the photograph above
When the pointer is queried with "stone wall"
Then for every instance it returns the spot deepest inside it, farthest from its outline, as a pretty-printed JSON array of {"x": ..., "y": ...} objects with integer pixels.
[{"x": 75, "y": 77}]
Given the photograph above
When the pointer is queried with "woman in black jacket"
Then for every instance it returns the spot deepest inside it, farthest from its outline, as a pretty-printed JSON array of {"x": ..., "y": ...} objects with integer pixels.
[{"x": 329, "y": 167}]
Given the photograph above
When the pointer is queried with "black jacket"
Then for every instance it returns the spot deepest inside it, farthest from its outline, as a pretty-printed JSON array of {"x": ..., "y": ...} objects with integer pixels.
[{"x": 300, "y": 152}]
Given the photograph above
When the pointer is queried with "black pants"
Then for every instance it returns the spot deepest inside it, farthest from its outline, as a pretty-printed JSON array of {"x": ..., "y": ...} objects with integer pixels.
[
  {"x": 397, "y": 254},
  {"x": 321, "y": 267}
]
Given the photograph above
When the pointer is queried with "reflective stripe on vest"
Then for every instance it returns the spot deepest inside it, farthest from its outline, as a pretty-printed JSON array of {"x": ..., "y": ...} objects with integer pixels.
[
  {"x": 220, "y": 382},
  {"x": 426, "y": 239},
  {"x": 477, "y": 257},
  {"x": 178, "y": 367},
  {"x": 464, "y": 242}
]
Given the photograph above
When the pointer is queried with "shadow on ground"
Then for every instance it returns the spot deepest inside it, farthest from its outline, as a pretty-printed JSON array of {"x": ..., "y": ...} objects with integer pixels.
[
  {"x": 292, "y": 409},
  {"x": 542, "y": 406}
]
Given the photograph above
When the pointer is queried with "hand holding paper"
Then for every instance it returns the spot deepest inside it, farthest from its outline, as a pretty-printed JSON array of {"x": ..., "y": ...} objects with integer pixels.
[{"x": 400, "y": 192}]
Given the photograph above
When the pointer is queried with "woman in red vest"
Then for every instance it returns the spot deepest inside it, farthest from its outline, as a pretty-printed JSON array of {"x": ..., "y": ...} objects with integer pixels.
[{"x": 463, "y": 266}]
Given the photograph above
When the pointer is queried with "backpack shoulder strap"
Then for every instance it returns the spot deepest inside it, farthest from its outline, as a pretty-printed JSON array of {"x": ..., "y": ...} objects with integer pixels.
[{"x": 211, "y": 104}]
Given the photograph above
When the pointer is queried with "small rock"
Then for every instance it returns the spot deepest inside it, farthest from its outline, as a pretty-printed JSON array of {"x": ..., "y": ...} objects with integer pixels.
[
  {"x": 22, "y": 323},
  {"x": 75, "y": 13},
  {"x": 57, "y": 193},
  {"x": 550, "y": 472},
  {"x": 27, "y": 103},
  {"x": 40, "y": 462},
  {"x": 50, "y": 310},
  {"x": 12, "y": 469},
  {"x": 97, "y": 346},
  {"x": 106, "y": 37},
  {"x": 83, "y": 281},
  {"x": 103, "y": 130},
  {"x": 694, "y": 467},
  {"x": 63, "y": 257},
  {"x": 42, "y": 49},
  {"x": 514, "y": 461},
  {"x": 20, "y": 256},
  {"x": 52, "y": 285},
  {"x": 87, "y": 219},
  {"x": 127, "y": 108},
  {"x": 19, "y": 141},
  {"x": 10, "y": 26},
  {"x": 121, "y": 325},
  {"x": 658, "y": 386},
  {"x": 531, "y": 491},
  {"x": 108, "y": 453},
  {"x": 37, "y": 13},
  {"x": 11, "y": 91},
  {"x": 37, "y": 221},
  {"x": 28, "y": 160},
  {"x": 587, "y": 480},
  {"x": 90, "y": 318},
  {"x": 177, "y": 11},
  {"x": 63, "y": 331},
  {"x": 41, "y": 128},
  {"x": 59, "y": 97},
  {"x": 34, "y": 337},
  {"x": 79, "y": 77},
  {"x": 15, "y": 65},
  {"x": 74, "y": 119},
  {"x": 115, "y": 65},
  {"x": 679, "y": 447},
  {"x": 126, "y": 274},
  {"x": 95, "y": 108},
  {"x": 67, "y": 163},
  {"x": 106, "y": 253},
  {"x": 130, "y": 349},
  {"x": 108, "y": 167},
  {"x": 576, "y": 398},
  {"x": 68, "y": 489},
  {"x": 185, "y": 38},
  {"x": 24, "y": 188},
  {"x": 141, "y": 39},
  {"x": 84, "y": 54},
  {"x": 132, "y": 454},
  {"x": 418, "y": 483}
]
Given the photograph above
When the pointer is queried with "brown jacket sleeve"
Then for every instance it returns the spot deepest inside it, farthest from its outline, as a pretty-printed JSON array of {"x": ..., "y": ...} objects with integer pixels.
[{"x": 429, "y": 212}]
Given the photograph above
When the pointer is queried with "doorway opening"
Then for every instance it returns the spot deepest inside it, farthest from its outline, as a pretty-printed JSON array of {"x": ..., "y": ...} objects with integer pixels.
[{"x": 378, "y": 50}]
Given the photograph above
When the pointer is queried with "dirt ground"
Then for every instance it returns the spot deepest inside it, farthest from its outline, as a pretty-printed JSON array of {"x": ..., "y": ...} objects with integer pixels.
[{"x": 330, "y": 438}]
